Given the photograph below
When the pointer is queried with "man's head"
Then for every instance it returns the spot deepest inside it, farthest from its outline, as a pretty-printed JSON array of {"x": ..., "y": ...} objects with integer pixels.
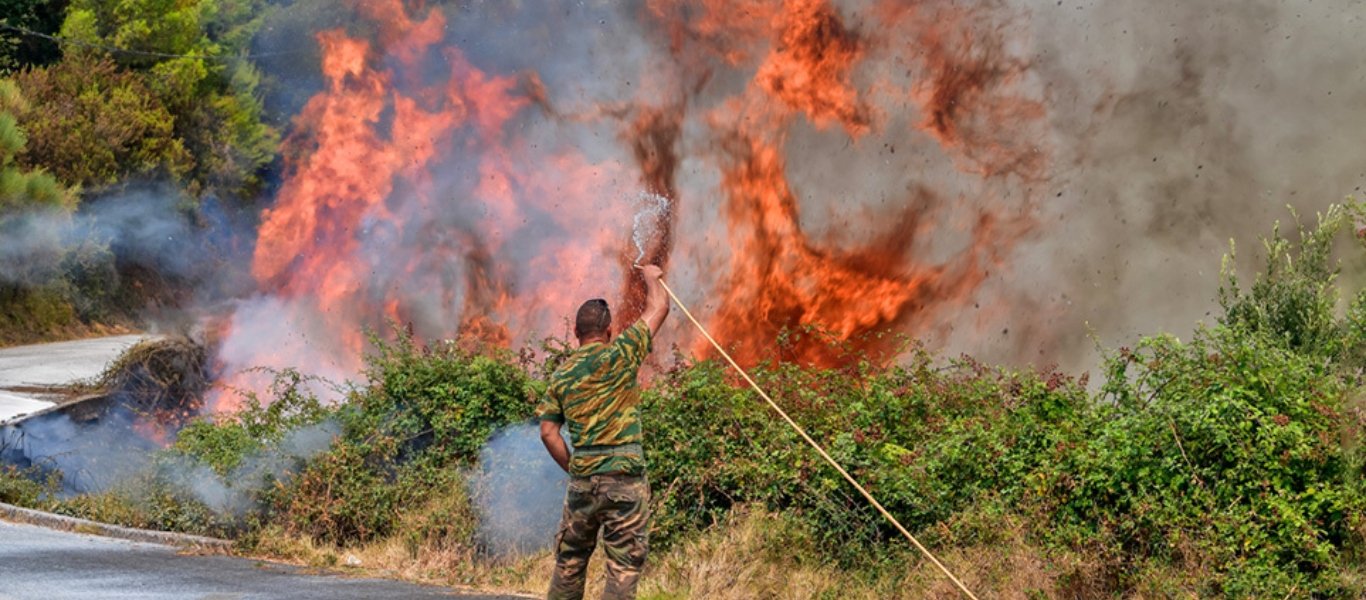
[{"x": 593, "y": 321}]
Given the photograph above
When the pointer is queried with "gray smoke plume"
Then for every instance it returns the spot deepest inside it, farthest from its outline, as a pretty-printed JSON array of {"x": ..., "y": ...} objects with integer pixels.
[
  {"x": 1179, "y": 126},
  {"x": 239, "y": 491},
  {"x": 148, "y": 227},
  {"x": 518, "y": 490},
  {"x": 95, "y": 455},
  {"x": 91, "y": 456}
]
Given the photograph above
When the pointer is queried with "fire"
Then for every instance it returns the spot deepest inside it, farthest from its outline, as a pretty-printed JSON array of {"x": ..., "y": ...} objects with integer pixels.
[
  {"x": 972, "y": 97},
  {"x": 969, "y": 92},
  {"x": 428, "y": 185},
  {"x": 808, "y": 69}
]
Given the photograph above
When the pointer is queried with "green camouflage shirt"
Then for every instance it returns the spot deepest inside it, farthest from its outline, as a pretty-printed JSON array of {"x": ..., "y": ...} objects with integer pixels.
[{"x": 595, "y": 392}]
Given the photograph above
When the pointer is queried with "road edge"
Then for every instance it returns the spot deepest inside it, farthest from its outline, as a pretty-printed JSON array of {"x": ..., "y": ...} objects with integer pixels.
[{"x": 18, "y": 514}]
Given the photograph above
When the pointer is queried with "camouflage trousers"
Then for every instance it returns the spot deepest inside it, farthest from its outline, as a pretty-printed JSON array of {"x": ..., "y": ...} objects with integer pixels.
[{"x": 618, "y": 506}]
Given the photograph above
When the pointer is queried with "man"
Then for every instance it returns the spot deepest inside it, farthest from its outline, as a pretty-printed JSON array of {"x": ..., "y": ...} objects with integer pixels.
[{"x": 595, "y": 393}]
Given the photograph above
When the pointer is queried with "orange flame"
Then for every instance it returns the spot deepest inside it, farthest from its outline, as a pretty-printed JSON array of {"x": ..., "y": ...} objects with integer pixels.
[
  {"x": 808, "y": 69},
  {"x": 968, "y": 91},
  {"x": 416, "y": 195}
]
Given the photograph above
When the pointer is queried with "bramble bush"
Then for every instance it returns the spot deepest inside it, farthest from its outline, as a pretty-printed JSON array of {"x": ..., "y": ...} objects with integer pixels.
[
  {"x": 928, "y": 442},
  {"x": 424, "y": 413}
]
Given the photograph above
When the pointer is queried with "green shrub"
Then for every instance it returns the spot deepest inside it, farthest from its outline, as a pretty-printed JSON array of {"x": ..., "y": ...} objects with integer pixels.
[
  {"x": 1225, "y": 449},
  {"x": 928, "y": 442},
  {"x": 1294, "y": 299},
  {"x": 225, "y": 441},
  {"x": 425, "y": 412},
  {"x": 24, "y": 488}
]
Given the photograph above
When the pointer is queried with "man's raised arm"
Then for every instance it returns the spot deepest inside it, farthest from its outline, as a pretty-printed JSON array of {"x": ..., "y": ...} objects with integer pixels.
[{"x": 656, "y": 301}]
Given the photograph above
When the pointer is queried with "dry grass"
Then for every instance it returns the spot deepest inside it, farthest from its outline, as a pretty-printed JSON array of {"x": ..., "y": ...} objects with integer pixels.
[
  {"x": 756, "y": 555},
  {"x": 393, "y": 558}
]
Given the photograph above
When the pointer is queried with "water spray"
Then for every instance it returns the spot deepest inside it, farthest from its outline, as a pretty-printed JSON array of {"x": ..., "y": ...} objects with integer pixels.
[
  {"x": 645, "y": 227},
  {"x": 650, "y": 211}
]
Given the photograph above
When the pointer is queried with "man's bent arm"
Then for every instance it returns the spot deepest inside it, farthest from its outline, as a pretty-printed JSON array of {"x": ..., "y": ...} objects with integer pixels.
[
  {"x": 656, "y": 301},
  {"x": 554, "y": 444}
]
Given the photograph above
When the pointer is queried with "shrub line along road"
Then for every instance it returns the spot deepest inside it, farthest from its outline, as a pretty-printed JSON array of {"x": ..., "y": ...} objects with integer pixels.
[{"x": 43, "y": 564}]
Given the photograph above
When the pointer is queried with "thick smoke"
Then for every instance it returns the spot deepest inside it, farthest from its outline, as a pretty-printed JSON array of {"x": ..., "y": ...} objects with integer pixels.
[
  {"x": 104, "y": 445},
  {"x": 148, "y": 228},
  {"x": 90, "y": 456},
  {"x": 518, "y": 491},
  {"x": 1179, "y": 126},
  {"x": 1091, "y": 159}
]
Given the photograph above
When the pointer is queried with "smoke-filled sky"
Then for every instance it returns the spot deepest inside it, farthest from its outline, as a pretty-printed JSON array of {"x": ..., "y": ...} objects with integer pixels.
[
  {"x": 993, "y": 177},
  {"x": 1181, "y": 126}
]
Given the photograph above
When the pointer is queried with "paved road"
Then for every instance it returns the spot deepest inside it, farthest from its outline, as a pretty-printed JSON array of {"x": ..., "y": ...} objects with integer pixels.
[
  {"x": 42, "y": 564},
  {"x": 53, "y": 364}
]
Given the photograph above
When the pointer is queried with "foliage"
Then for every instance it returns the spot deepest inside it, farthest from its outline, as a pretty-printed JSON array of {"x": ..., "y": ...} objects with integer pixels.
[
  {"x": 177, "y": 104},
  {"x": 1295, "y": 299},
  {"x": 42, "y": 16},
  {"x": 25, "y": 488},
  {"x": 147, "y": 502},
  {"x": 145, "y": 90},
  {"x": 929, "y": 443},
  {"x": 32, "y": 290},
  {"x": 1225, "y": 449},
  {"x": 223, "y": 443},
  {"x": 424, "y": 412},
  {"x": 95, "y": 124}
]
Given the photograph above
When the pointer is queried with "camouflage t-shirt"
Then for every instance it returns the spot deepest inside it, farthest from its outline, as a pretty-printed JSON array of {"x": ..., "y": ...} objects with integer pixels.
[{"x": 595, "y": 392}]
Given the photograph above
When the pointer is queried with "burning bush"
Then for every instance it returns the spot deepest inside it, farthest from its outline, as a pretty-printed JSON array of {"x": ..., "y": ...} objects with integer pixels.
[{"x": 1233, "y": 456}]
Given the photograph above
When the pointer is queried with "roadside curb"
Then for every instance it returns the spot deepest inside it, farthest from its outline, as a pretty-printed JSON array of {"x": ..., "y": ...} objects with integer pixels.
[{"x": 18, "y": 514}]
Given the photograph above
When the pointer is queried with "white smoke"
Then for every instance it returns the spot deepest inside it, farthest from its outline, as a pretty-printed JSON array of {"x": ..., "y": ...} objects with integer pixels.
[
  {"x": 518, "y": 490},
  {"x": 239, "y": 491}
]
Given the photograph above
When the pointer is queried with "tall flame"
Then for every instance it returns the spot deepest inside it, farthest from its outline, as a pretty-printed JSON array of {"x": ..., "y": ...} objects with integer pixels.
[{"x": 489, "y": 201}]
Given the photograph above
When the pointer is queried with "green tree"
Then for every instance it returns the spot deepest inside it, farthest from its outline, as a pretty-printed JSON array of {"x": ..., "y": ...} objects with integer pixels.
[
  {"x": 18, "y": 50},
  {"x": 95, "y": 124},
  {"x": 177, "y": 98},
  {"x": 32, "y": 202}
]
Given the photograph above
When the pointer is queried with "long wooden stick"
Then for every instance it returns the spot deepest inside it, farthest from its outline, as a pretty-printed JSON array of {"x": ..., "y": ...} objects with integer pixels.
[{"x": 813, "y": 444}]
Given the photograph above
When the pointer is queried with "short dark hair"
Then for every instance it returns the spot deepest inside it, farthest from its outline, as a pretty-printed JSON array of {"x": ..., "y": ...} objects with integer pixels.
[{"x": 594, "y": 318}]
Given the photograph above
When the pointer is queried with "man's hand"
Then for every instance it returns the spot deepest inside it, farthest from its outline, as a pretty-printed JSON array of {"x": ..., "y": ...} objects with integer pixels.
[
  {"x": 651, "y": 272},
  {"x": 656, "y": 302}
]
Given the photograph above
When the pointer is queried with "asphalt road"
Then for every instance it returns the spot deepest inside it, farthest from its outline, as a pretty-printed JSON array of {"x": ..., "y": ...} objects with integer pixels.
[
  {"x": 43, "y": 564},
  {"x": 43, "y": 365}
]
